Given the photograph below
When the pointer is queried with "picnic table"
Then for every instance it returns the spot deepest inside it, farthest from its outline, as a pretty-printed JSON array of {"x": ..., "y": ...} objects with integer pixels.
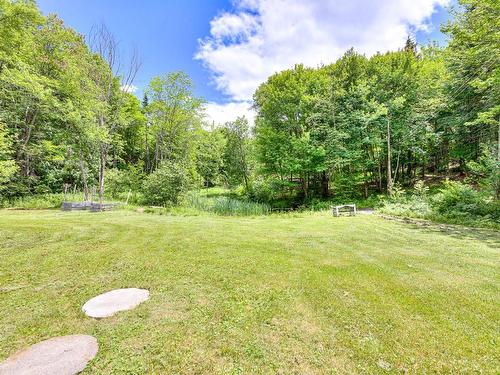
[{"x": 338, "y": 210}]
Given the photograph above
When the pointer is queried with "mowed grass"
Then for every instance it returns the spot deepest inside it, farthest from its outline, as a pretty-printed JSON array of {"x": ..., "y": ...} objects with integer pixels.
[{"x": 304, "y": 294}]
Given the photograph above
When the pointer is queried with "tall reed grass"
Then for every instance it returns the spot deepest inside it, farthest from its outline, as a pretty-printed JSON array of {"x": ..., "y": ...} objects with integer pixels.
[{"x": 226, "y": 206}]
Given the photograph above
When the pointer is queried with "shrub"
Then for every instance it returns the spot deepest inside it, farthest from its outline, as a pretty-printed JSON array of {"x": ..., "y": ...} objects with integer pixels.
[
  {"x": 166, "y": 185},
  {"x": 460, "y": 200},
  {"x": 455, "y": 196},
  {"x": 119, "y": 182},
  {"x": 455, "y": 202},
  {"x": 486, "y": 171},
  {"x": 114, "y": 182}
]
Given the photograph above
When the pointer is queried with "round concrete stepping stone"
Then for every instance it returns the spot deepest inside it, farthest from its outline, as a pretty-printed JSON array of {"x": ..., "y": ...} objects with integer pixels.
[
  {"x": 109, "y": 303},
  {"x": 65, "y": 355}
]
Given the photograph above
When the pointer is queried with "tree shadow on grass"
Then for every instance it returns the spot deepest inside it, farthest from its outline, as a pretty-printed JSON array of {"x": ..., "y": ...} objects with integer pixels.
[{"x": 489, "y": 237}]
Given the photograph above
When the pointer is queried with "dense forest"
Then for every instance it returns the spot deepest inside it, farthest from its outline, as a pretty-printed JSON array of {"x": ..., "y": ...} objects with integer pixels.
[{"x": 353, "y": 129}]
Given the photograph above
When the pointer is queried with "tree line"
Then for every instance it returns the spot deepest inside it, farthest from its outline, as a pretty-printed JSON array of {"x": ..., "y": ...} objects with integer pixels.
[
  {"x": 362, "y": 125},
  {"x": 359, "y": 126}
]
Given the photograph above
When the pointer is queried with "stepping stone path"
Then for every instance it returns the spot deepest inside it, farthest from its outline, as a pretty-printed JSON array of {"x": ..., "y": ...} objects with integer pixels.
[
  {"x": 109, "y": 303},
  {"x": 65, "y": 355},
  {"x": 68, "y": 355}
]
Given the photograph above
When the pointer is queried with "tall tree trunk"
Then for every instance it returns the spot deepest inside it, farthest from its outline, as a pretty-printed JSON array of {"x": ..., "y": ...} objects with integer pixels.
[
  {"x": 304, "y": 185},
  {"x": 497, "y": 195},
  {"x": 397, "y": 168},
  {"x": 102, "y": 172},
  {"x": 409, "y": 167},
  {"x": 148, "y": 162},
  {"x": 83, "y": 171},
  {"x": 324, "y": 185},
  {"x": 23, "y": 158},
  {"x": 498, "y": 150},
  {"x": 379, "y": 182},
  {"x": 157, "y": 152},
  {"x": 389, "y": 167},
  {"x": 103, "y": 152},
  {"x": 365, "y": 185}
]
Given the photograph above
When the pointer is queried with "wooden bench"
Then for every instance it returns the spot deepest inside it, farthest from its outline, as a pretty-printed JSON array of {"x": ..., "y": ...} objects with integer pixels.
[{"x": 338, "y": 210}]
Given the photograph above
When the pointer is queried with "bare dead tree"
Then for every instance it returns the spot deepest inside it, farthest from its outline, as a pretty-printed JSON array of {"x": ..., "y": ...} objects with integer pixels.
[
  {"x": 102, "y": 42},
  {"x": 133, "y": 67}
]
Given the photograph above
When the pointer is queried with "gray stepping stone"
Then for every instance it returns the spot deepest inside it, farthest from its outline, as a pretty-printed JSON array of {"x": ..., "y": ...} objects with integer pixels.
[
  {"x": 109, "y": 303},
  {"x": 65, "y": 355}
]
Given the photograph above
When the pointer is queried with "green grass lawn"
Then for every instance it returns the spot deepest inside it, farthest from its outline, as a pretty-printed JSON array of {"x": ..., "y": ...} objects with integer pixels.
[{"x": 304, "y": 293}]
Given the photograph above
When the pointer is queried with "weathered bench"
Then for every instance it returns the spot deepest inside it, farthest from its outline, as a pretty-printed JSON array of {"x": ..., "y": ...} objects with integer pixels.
[{"x": 338, "y": 210}]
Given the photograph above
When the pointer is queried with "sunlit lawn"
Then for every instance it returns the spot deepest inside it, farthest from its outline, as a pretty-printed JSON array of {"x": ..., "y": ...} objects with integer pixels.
[{"x": 303, "y": 294}]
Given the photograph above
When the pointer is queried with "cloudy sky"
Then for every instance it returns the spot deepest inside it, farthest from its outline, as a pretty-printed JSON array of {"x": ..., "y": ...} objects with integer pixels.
[{"x": 230, "y": 47}]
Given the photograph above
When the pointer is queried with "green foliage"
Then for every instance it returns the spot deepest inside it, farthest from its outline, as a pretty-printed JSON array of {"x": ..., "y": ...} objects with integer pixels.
[
  {"x": 115, "y": 182},
  {"x": 39, "y": 201},
  {"x": 486, "y": 171},
  {"x": 455, "y": 203},
  {"x": 226, "y": 205},
  {"x": 223, "y": 203},
  {"x": 284, "y": 103},
  {"x": 120, "y": 181},
  {"x": 210, "y": 156},
  {"x": 166, "y": 184},
  {"x": 174, "y": 114},
  {"x": 236, "y": 168},
  {"x": 473, "y": 60},
  {"x": 269, "y": 190},
  {"x": 457, "y": 200},
  {"x": 8, "y": 166},
  {"x": 333, "y": 129}
]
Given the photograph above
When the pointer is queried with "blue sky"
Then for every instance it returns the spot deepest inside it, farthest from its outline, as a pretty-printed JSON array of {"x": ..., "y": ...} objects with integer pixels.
[
  {"x": 229, "y": 47},
  {"x": 165, "y": 33}
]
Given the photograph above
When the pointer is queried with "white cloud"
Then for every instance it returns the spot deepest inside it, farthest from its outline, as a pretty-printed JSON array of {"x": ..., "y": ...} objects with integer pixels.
[
  {"x": 219, "y": 114},
  {"x": 233, "y": 26},
  {"x": 128, "y": 88},
  {"x": 261, "y": 37}
]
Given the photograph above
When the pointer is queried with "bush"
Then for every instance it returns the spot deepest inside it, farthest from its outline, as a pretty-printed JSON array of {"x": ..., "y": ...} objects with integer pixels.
[
  {"x": 455, "y": 196},
  {"x": 457, "y": 200},
  {"x": 455, "y": 203},
  {"x": 166, "y": 185},
  {"x": 486, "y": 171},
  {"x": 114, "y": 182},
  {"x": 119, "y": 182}
]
